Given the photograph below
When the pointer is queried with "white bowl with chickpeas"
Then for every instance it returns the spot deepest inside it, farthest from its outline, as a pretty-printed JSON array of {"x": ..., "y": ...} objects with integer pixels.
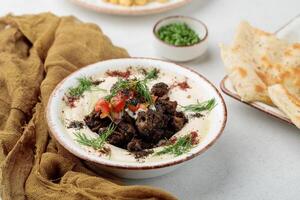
[
  {"x": 134, "y": 2},
  {"x": 131, "y": 7}
]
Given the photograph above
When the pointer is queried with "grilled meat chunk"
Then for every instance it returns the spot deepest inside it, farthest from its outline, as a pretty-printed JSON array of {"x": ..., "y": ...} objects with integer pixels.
[
  {"x": 157, "y": 135},
  {"x": 94, "y": 122},
  {"x": 160, "y": 89},
  {"x": 149, "y": 120},
  {"x": 122, "y": 135},
  {"x": 149, "y": 129},
  {"x": 118, "y": 139},
  {"x": 137, "y": 145},
  {"x": 178, "y": 121},
  {"x": 165, "y": 106}
]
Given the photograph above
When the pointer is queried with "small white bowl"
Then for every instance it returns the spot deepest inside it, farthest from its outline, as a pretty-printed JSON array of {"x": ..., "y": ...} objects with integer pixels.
[
  {"x": 181, "y": 53},
  {"x": 130, "y": 169}
]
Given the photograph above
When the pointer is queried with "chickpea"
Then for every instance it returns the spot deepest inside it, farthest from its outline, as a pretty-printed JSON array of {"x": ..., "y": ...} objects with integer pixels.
[
  {"x": 113, "y": 1},
  {"x": 134, "y": 2},
  {"x": 126, "y": 2},
  {"x": 140, "y": 2}
]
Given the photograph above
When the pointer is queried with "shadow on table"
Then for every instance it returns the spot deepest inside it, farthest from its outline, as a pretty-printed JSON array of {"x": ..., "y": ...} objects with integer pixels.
[
  {"x": 206, "y": 57},
  {"x": 258, "y": 118}
]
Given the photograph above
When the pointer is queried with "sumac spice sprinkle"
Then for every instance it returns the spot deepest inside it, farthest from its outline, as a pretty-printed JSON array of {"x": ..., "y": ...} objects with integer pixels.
[
  {"x": 194, "y": 138},
  {"x": 183, "y": 85},
  {"x": 70, "y": 101},
  {"x": 116, "y": 73}
]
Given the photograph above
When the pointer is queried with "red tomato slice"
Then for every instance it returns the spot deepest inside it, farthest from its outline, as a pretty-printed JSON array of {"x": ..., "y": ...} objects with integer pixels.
[
  {"x": 116, "y": 116},
  {"x": 118, "y": 103},
  {"x": 103, "y": 106},
  {"x": 133, "y": 108}
]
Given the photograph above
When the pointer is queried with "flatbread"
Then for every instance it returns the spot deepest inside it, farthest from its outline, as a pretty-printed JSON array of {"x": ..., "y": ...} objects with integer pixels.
[
  {"x": 243, "y": 76},
  {"x": 286, "y": 102},
  {"x": 256, "y": 61}
]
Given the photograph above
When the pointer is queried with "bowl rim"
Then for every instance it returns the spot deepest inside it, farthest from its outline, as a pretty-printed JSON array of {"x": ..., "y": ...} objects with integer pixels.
[
  {"x": 152, "y": 165},
  {"x": 178, "y": 17},
  {"x": 143, "y": 10}
]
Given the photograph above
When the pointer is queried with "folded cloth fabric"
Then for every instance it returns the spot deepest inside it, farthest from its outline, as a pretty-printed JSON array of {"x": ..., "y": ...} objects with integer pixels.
[{"x": 36, "y": 53}]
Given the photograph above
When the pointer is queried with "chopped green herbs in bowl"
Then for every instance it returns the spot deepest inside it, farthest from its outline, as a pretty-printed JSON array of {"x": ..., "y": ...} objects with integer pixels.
[
  {"x": 178, "y": 34},
  {"x": 180, "y": 38}
]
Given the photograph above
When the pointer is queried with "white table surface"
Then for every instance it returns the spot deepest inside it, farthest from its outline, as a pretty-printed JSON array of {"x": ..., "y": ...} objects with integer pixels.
[{"x": 257, "y": 157}]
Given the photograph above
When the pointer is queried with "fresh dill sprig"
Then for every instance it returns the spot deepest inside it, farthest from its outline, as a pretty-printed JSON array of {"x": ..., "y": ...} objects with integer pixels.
[
  {"x": 201, "y": 106},
  {"x": 95, "y": 143},
  {"x": 118, "y": 86},
  {"x": 143, "y": 90},
  {"x": 153, "y": 74},
  {"x": 136, "y": 84},
  {"x": 182, "y": 145},
  {"x": 142, "y": 87},
  {"x": 84, "y": 85}
]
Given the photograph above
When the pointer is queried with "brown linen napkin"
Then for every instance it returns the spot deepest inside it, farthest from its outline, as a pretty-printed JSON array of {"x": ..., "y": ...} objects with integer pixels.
[{"x": 37, "y": 52}]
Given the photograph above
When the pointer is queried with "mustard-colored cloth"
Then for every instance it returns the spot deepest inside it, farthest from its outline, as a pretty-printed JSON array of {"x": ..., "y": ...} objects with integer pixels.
[{"x": 36, "y": 53}]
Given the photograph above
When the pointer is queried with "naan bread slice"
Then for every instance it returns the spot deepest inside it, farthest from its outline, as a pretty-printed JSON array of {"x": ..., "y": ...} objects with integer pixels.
[
  {"x": 243, "y": 76},
  {"x": 264, "y": 68},
  {"x": 290, "y": 70},
  {"x": 286, "y": 102},
  {"x": 267, "y": 59}
]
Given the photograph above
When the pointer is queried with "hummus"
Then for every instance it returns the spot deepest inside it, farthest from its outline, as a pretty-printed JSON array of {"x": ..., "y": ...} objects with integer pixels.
[{"x": 86, "y": 103}]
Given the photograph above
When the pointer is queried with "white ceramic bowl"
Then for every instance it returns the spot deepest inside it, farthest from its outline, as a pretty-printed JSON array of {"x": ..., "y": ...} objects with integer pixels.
[
  {"x": 150, "y": 8},
  {"x": 181, "y": 53},
  {"x": 218, "y": 118}
]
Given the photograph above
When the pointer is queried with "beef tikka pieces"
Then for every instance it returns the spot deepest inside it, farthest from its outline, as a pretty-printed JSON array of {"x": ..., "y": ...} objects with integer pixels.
[{"x": 143, "y": 117}]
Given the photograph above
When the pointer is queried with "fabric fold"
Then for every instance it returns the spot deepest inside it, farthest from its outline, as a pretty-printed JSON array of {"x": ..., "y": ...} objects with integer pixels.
[{"x": 36, "y": 53}]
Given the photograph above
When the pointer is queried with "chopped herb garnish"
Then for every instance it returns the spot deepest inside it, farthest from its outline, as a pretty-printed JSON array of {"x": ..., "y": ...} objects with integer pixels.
[
  {"x": 135, "y": 84},
  {"x": 183, "y": 145},
  {"x": 153, "y": 74},
  {"x": 143, "y": 91},
  {"x": 85, "y": 84},
  {"x": 95, "y": 143},
  {"x": 142, "y": 87},
  {"x": 200, "y": 106},
  {"x": 118, "y": 86},
  {"x": 178, "y": 34}
]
